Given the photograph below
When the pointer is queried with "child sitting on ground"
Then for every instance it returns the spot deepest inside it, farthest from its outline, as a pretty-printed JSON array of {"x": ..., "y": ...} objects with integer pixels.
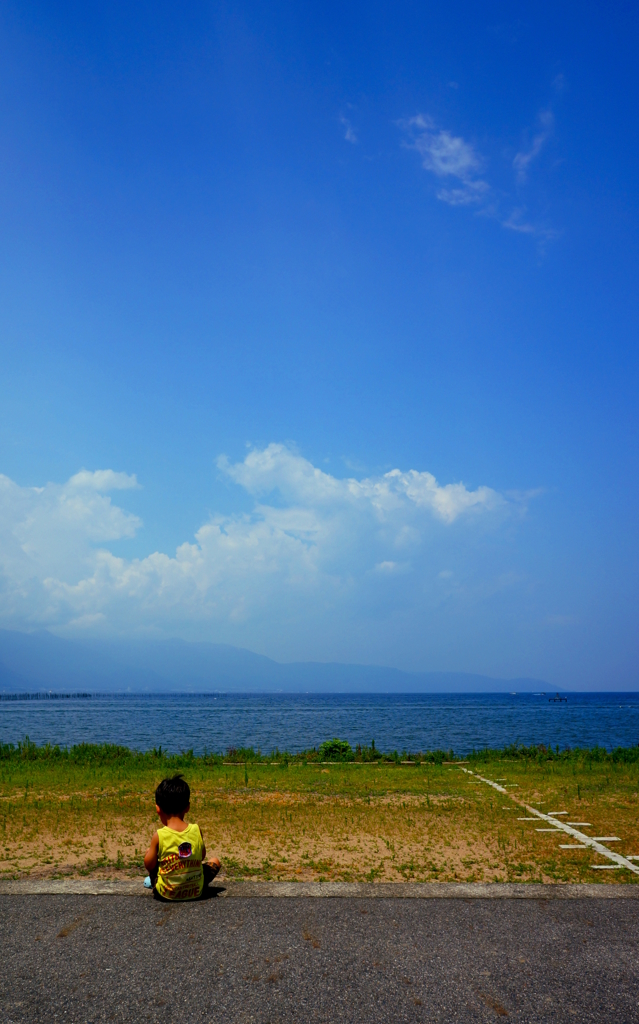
[{"x": 175, "y": 859}]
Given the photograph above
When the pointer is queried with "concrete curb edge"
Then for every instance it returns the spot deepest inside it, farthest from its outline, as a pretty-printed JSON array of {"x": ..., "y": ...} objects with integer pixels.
[{"x": 348, "y": 890}]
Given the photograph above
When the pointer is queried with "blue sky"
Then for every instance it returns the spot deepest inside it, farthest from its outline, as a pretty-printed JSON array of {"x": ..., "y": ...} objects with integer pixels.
[{"x": 319, "y": 330}]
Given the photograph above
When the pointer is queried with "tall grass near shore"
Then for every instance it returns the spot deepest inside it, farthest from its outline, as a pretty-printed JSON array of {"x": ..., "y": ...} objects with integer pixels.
[{"x": 331, "y": 813}]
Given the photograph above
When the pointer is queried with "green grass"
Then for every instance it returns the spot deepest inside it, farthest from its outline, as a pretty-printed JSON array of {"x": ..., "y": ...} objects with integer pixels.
[{"x": 90, "y": 809}]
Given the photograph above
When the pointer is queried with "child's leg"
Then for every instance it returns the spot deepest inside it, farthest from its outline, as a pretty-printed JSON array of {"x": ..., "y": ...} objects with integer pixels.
[{"x": 210, "y": 869}]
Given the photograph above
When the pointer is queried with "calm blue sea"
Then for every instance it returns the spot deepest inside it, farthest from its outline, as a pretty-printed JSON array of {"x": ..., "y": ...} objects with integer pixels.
[{"x": 411, "y": 722}]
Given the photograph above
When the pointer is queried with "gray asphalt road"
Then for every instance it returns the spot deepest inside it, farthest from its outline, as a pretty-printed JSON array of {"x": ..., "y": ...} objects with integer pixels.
[{"x": 114, "y": 958}]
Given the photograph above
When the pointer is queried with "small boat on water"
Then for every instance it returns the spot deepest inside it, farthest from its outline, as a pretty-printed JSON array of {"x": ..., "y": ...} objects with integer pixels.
[{"x": 557, "y": 699}]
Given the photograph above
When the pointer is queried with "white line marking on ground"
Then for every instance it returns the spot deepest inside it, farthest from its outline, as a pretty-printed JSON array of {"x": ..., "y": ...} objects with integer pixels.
[
  {"x": 556, "y": 812},
  {"x": 567, "y": 846},
  {"x": 585, "y": 823},
  {"x": 563, "y": 826},
  {"x": 547, "y": 830},
  {"x": 606, "y": 867},
  {"x": 526, "y": 819},
  {"x": 607, "y": 839}
]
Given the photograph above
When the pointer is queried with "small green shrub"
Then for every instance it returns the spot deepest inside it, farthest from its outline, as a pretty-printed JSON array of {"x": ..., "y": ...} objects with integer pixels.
[{"x": 336, "y": 750}]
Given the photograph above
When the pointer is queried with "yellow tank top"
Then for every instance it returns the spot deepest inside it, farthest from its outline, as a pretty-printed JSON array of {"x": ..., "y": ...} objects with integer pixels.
[{"x": 180, "y": 863}]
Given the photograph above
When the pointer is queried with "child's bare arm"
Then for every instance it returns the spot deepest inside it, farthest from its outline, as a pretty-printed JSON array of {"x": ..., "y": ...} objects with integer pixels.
[
  {"x": 214, "y": 862},
  {"x": 151, "y": 855}
]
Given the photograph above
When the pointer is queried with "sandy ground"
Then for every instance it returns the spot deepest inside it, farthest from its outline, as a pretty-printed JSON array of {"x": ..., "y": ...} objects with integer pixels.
[
  {"x": 308, "y": 825},
  {"x": 289, "y": 836}
]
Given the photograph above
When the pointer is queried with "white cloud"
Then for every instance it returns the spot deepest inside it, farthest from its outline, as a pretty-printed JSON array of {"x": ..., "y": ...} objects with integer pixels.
[
  {"x": 455, "y": 161},
  {"x": 524, "y": 158},
  {"x": 447, "y": 156},
  {"x": 51, "y": 533},
  {"x": 443, "y": 153},
  {"x": 467, "y": 194},
  {"x": 350, "y": 134},
  {"x": 46, "y": 528},
  {"x": 103, "y": 480},
  {"x": 279, "y": 468},
  {"x": 517, "y": 221},
  {"x": 312, "y": 546},
  {"x": 393, "y": 568}
]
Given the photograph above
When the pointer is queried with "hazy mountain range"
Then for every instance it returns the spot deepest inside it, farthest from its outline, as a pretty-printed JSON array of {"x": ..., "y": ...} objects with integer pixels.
[{"x": 42, "y": 661}]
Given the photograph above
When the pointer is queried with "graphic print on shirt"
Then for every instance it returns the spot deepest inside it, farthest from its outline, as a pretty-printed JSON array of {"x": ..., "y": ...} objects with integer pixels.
[{"x": 180, "y": 875}]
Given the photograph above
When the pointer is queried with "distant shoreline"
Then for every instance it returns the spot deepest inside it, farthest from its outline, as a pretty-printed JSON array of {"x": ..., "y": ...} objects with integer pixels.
[{"x": 10, "y": 695}]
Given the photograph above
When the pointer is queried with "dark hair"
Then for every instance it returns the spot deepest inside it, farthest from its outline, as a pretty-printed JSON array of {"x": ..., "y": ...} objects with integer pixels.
[{"x": 173, "y": 795}]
